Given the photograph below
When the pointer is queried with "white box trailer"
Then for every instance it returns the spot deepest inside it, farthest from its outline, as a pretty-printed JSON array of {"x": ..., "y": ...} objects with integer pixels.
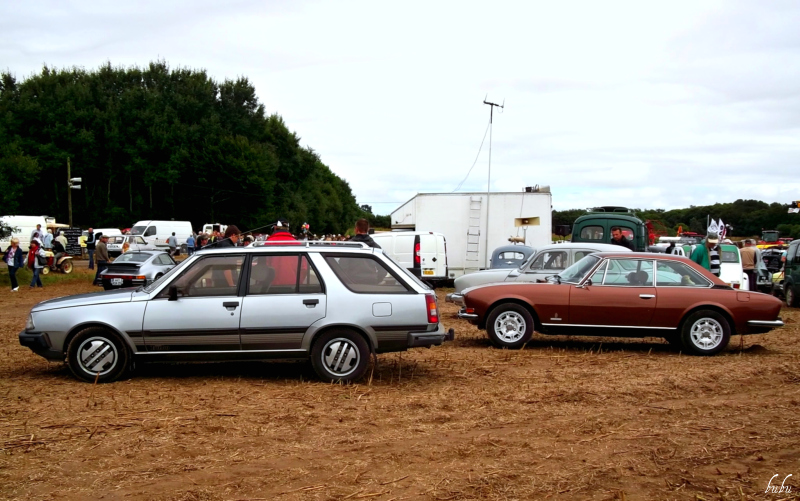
[{"x": 462, "y": 219}]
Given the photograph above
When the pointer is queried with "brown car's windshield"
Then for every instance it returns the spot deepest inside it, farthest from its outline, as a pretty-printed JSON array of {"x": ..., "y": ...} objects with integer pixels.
[{"x": 577, "y": 271}]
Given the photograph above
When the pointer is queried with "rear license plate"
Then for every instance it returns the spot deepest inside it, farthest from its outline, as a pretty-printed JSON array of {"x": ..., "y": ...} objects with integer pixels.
[
  {"x": 427, "y": 272},
  {"x": 116, "y": 281}
]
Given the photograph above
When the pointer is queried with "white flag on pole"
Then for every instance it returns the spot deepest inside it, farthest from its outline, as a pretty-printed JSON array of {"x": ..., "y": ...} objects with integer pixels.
[{"x": 713, "y": 227}]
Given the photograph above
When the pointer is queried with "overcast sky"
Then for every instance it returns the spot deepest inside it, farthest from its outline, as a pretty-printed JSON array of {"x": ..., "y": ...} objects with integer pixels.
[{"x": 643, "y": 104}]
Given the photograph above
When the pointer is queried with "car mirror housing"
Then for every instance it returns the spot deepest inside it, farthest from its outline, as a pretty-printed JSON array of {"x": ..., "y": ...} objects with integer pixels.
[{"x": 173, "y": 293}]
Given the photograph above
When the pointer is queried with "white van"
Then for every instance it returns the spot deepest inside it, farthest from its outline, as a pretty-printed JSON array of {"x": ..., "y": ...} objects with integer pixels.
[
  {"x": 25, "y": 226},
  {"x": 424, "y": 253},
  {"x": 157, "y": 232},
  {"x": 208, "y": 228}
]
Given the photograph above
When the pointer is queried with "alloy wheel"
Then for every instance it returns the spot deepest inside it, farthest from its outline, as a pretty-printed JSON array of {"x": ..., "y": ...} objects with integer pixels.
[
  {"x": 340, "y": 356},
  {"x": 707, "y": 333},
  {"x": 97, "y": 355},
  {"x": 510, "y": 326}
]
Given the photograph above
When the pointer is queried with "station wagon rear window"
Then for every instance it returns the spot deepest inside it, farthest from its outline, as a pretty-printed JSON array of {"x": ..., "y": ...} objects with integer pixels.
[{"x": 364, "y": 275}]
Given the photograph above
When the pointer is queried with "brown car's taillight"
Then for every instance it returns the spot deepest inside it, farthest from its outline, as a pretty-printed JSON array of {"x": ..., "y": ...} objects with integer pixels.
[{"x": 433, "y": 311}]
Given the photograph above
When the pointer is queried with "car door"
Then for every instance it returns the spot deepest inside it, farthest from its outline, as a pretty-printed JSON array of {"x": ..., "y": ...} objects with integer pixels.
[
  {"x": 547, "y": 263},
  {"x": 284, "y": 297},
  {"x": 626, "y": 297},
  {"x": 205, "y": 316}
]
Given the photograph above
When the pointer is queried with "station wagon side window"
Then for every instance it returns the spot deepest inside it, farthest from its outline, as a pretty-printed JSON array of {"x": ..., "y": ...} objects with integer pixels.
[
  {"x": 592, "y": 233},
  {"x": 629, "y": 273},
  {"x": 210, "y": 276},
  {"x": 283, "y": 274},
  {"x": 677, "y": 274},
  {"x": 580, "y": 254},
  {"x": 365, "y": 275},
  {"x": 550, "y": 260}
]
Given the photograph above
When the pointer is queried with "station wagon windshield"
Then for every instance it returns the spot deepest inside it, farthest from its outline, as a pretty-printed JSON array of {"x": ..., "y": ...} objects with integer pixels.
[{"x": 577, "y": 271}]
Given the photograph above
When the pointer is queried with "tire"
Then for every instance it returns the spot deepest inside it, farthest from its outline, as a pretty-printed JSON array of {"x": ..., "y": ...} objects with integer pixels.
[
  {"x": 791, "y": 295},
  {"x": 705, "y": 332},
  {"x": 45, "y": 270},
  {"x": 66, "y": 267},
  {"x": 509, "y": 326},
  {"x": 340, "y": 355},
  {"x": 83, "y": 360}
]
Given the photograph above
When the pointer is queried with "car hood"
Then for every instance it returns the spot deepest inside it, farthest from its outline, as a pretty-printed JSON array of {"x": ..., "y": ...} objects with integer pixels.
[
  {"x": 112, "y": 296},
  {"x": 481, "y": 277}
]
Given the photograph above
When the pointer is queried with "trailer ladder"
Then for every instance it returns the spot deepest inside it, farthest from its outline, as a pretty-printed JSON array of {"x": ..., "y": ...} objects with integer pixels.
[{"x": 472, "y": 257}]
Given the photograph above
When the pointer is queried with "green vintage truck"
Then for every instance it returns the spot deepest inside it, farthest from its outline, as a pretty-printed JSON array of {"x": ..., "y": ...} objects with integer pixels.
[{"x": 596, "y": 227}]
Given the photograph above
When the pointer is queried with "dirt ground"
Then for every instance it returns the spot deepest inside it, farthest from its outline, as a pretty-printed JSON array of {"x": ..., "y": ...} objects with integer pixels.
[{"x": 566, "y": 418}]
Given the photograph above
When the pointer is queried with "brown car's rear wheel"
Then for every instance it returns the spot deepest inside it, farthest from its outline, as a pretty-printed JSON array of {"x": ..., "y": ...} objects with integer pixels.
[
  {"x": 509, "y": 325},
  {"x": 705, "y": 332}
]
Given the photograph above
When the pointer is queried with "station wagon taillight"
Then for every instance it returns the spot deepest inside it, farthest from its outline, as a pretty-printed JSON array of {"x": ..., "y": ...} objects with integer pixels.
[{"x": 433, "y": 311}]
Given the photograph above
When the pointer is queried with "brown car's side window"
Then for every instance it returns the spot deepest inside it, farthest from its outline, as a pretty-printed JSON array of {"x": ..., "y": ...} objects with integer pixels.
[
  {"x": 629, "y": 273},
  {"x": 677, "y": 274}
]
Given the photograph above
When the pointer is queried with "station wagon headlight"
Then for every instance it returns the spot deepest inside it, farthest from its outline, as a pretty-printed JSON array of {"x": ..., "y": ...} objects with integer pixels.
[{"x": 29, "y": 326}]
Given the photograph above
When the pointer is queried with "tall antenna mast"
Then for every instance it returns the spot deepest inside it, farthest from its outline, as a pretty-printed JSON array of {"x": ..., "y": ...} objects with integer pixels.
[{"x": 489, "y": 181}]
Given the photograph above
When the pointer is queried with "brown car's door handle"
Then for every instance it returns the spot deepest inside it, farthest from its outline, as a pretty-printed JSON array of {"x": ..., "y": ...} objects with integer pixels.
[{"x": 647, "y": 296}]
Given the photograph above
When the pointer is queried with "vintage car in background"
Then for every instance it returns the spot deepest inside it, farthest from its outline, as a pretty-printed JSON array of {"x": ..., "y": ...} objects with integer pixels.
[
  {"x": 548, "y": 260},
  {"x": 510, "y": 256},
  {"x": 623, "y": 295},
  {"x": 135, "y": 268}
]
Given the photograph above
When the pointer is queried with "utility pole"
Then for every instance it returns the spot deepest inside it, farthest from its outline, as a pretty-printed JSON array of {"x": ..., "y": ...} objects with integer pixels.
[
  {"x": 489, "y": 181},
  {"x": 73, "y": 183},
  {"x": 69, "y": 192}
]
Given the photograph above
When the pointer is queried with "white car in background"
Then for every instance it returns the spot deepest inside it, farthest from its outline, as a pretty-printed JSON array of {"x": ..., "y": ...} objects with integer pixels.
[{"x": 136, "y": 243}]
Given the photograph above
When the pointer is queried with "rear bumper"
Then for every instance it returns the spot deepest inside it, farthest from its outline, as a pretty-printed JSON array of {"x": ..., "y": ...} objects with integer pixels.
[
  {"x": 761, "y": 326},
  {"x": 429, "y": 338},
  {"x": 39, "y": 343}
]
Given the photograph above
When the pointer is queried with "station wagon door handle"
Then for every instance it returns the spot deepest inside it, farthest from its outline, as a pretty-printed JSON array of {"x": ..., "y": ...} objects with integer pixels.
[
  {"x": 647, "y": 296},
  {"x": 230, "y": 304},
  {"x": 311, "y": 302}
]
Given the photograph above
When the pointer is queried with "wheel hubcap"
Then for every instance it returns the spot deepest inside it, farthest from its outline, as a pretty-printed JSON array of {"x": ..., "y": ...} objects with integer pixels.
[
  {"x": 341, "y": 356},
  {"x": 707, "y": 333},
  {"x": 510, "y": 327},
  {"x": 97, "y": 355}
]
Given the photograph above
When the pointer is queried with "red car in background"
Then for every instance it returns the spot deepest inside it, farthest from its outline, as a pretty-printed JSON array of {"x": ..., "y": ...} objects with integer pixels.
[{"x": 623, "y": 295}]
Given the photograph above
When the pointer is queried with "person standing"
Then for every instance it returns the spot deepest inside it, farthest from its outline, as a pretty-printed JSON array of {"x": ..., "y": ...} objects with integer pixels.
[
  {"x": 190, "y": 245},
  {"x": 172, "y": 242},
  {"x": 280, "y": 232},
  {"x": 617, "y": 238},
  {"x": 103, "y": 258},
  {"x": 47, "y": 243},
  {"x": 749, "y": 257},
  {"x": 37, "y": 233},
  {"x": 362, "y": 234},
  {"x": 707, "y": 254},
  {"x": 15, "y": 260},
  {"x": 91, "y": 243},
  {"x": 35, "y": 255}
]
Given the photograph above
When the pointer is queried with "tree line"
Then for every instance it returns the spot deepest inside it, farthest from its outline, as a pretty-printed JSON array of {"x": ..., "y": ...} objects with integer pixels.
[
  {"x": 747, "y": 217},
  {"x": 159, "y": 143}
]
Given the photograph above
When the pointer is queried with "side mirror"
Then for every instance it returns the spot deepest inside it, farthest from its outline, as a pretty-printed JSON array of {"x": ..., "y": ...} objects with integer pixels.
[{"x": 173, "y": 293}]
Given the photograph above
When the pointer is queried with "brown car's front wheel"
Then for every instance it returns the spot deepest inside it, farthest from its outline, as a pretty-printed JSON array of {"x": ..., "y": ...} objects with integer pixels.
[{"x": 509, "y": 326}]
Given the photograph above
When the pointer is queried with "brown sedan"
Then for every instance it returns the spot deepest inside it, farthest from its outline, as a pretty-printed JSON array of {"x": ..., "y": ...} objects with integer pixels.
[{"x": 623, "y": 294}]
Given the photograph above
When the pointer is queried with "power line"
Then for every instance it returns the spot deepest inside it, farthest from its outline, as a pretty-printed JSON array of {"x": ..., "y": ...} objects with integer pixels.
[{"x": 476, "y": 159}]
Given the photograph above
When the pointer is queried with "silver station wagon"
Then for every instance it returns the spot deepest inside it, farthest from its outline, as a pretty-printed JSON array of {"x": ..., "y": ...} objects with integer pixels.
[{"x": 335, "y": 303}]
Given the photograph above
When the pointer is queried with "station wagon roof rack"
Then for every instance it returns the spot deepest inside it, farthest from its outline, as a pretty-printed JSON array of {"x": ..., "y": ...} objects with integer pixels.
[{"x": 310, "y": 243}]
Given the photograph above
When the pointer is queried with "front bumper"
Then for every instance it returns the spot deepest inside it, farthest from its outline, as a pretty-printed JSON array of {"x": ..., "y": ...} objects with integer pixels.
[
  {"x": 455, "y": 297},
  {"x": 428, "y": 339},
  {"x": 39, "y": 343},
  {"x": 462, "y": 313}
]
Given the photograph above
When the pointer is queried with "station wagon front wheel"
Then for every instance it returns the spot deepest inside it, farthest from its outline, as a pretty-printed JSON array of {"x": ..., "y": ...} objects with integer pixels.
[
  {"x": 340, "y": 355},
  {"x": 510, "y": 326},
  {"x": 98, "y": 354}
]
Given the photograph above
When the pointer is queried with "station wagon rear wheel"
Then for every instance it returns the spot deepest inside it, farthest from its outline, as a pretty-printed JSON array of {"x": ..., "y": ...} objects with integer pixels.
[
  {"x": 705, "y": 332},
  {"x": 98, "y": 354},
  {"x": 340, "y": 355},
  {"x": 509, "y": 325}
]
